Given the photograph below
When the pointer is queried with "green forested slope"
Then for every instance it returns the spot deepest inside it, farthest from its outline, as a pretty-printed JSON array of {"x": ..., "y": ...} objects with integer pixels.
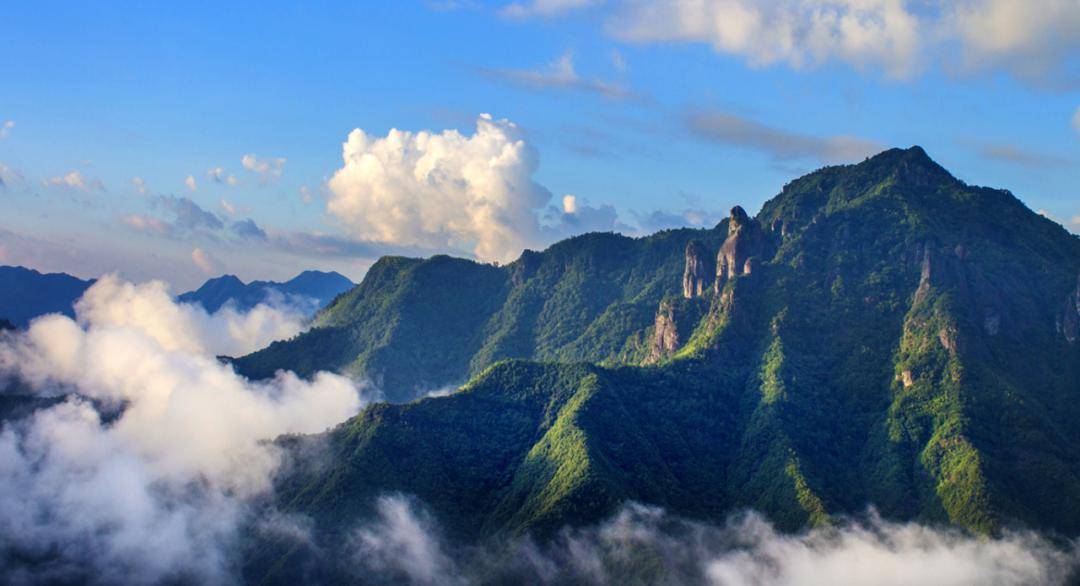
[
  {"x": 417, "y": 325},
  {"x": 903, "y": 341}
]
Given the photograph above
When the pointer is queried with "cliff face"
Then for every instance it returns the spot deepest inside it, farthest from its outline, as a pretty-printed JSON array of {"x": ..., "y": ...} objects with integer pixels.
[
  {"x": 665, "y": 339},
  {"x": 699, "y": 271},
  {"x": 1068, "y": 321},
  {"x": 744, "y": 242}
]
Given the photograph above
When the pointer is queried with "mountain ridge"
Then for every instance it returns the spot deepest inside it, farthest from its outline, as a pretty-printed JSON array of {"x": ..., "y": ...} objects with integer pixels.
[
  {"x": 310, "y": 291},
  {"x": 881, "y": 334}
]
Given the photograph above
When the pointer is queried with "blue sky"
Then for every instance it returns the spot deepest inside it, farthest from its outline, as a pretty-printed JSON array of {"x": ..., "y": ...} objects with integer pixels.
[{"x": 650, "y": 114}]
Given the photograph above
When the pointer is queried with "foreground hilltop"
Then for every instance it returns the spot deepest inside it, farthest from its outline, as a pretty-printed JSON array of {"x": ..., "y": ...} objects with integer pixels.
[{"x": 880, "y": 334}]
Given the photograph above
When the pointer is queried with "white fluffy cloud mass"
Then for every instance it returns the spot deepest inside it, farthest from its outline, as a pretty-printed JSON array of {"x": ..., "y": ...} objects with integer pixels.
[
  {"x": 801, "y": 34},
  {"x": 404, "y": 542},
  {"x": 895, "y": 36},
  {"x": 442, "y": 190},
  {"x": 143, "y": 473}
]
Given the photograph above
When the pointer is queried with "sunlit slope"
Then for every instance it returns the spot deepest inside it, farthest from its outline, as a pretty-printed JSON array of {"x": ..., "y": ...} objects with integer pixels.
[{"x": 904, "y": 341}]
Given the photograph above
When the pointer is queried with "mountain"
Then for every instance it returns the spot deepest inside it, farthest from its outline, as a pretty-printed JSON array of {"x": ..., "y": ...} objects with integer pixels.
[
  {"x": 26, "y": 294},
  {"x": 880, "y": 334},
  {"x": 416, "y": 325},
  {"x": 310, "y": 290}
]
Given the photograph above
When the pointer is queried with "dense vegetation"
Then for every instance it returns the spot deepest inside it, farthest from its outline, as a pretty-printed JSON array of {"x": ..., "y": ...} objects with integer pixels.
[
  {"x": 418, "y": 325},
  {"x": 900, "y": 346}
]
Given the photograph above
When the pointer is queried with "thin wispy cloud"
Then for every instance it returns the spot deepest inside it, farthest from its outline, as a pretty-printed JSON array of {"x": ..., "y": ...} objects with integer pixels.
[
  {"x": 782, "y": 145},
  {"x": 6, "y": 128},
  {"x": 560, "y": 74},
  {"x": 1019, "y": 156},
  {"x": 544, "y": 8}
]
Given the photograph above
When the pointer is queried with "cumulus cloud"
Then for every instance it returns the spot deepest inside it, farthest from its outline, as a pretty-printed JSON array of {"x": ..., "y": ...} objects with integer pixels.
[
  {"x": 187, "y": 214},
  {"x": 190, "y": 183},
  {"x": 247, "y": 228},
  {"x": 643, "y": 543},
  {"x": 6, "y": 128},
  {"x": 560, "y": 75},
  {"x": 1038, "y": 45},
  {"x": 207, "y": 262},
  {"x": 218, "y": 175},
  {"x": 146, "y": 224},
  {"x": 880, "y": 33},
  {"x": 74, "y": 180},
  {"x": 144, "y": 473},
  {"x": 267, "y": 169},
  {"x": 576, "y": 216},
  {"x": 780, "y": 144},
  {"x": 896, "y": 37},
  {"x": 441, "y": 190}
]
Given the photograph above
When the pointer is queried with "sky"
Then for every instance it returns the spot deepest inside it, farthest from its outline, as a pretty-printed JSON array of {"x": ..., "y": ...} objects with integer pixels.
[{"x": 180, "y": 141}]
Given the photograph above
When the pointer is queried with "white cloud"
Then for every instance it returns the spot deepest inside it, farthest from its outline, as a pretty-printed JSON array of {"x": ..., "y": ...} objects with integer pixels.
[
  {"x": 228, "y": 207},
  {"x": 140, "y": 185},
  {"x": 190, "y": 183},
  {"x": 403, "y": 540},
  {"x": 544, "y": 8},
  {"x": 305, "y": 194},
  {"x": 894, "y": 36},
  {"x": 781, "y": 144},
  {"x": 1076, "y": 120},
  {"x": 802, "y": 34},
  {"x": 560, "y": 74},
  {"x": 218, "y": 175},
  {"x": 6, "y": 127},
  {"x": 73, "y": 180},
  {"x": 146, "y": 224},
  {"x": 267, "y": 169},
  {"x": 441, "y": 190},
  {"x": 206, "y": 262},
  {"x": 569, "y": 204},
  {"x": 144, "y": 473},
  {"x": 1035, "y": 44}
]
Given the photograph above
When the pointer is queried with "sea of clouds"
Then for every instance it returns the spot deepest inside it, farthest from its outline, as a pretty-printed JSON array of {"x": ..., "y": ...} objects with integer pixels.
[{"x": 145, "y": 458}]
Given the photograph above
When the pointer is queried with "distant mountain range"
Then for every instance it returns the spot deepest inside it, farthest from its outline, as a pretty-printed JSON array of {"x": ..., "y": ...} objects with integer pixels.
[
  {"x": 26, "y": 293},
  {"x": 880, "y": 334},
  {"x": 308, "y": 291}
]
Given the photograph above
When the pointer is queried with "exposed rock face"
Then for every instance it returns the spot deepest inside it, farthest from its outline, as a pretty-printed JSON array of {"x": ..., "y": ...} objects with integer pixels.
[
  {"x": 743, "y": 243},
  {"x": 1068, "y": 322},
  {"x": 698, "y": 275},
  {"x": 665, "y": 339}
]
